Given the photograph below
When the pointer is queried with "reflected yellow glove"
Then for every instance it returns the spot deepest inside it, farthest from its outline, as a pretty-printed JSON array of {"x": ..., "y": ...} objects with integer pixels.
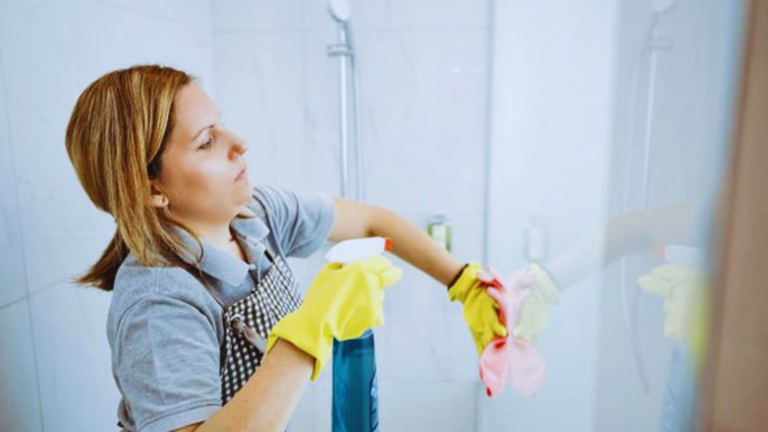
[
  {"x": 534, "y": 313},
  {"x": 481, "y": 311},
  {"x": 343, "y": 302},
  {"x": 685, "y": 304}
]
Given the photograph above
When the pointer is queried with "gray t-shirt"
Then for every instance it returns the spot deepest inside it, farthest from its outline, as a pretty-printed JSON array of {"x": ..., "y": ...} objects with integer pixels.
[{"x": 165, "y": 329}]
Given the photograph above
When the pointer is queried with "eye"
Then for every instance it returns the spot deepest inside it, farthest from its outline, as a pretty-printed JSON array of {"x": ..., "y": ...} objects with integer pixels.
[{"x": 207, "y": 144}]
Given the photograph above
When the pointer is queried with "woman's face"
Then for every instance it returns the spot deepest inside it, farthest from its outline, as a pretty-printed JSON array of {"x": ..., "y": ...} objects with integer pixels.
[{"x": 202, "y": 165}]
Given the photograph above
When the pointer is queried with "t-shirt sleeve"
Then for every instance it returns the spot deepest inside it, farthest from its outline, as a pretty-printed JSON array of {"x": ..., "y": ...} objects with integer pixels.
[
  {"x": 167, "y": 363},
  {"x": 301, "y": 221}
]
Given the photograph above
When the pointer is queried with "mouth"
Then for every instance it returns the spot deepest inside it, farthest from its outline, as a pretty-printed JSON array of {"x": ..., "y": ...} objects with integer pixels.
[{"x": 241, "y": 175}]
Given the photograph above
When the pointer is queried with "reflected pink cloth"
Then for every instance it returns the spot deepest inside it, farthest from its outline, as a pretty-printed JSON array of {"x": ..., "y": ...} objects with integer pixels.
[{"x": 510, "y": 359}]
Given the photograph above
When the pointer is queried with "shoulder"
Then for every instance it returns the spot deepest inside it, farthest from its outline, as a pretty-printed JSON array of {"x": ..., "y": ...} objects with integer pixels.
[
  {"x": 136, "y": 283},
  {"x": 272, "y": 198},
  {"x": 268, "y": 199},
  {"x": 134, "y": 280}
]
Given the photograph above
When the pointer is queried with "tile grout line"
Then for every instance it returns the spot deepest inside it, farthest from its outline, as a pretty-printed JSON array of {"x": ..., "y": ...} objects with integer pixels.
[
  {"x": 305, "y": 99},
  {"x": 488, "y": 150},
  {"x": 13, "y": 302},
  {"x": 307, "y": 176},
  {"x": 305, "y": 151}
]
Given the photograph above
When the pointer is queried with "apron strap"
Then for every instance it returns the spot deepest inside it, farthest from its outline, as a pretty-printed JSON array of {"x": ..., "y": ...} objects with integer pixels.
[
  {"x": 215, "y": 294},
  {"x": 270, "y": 254}
]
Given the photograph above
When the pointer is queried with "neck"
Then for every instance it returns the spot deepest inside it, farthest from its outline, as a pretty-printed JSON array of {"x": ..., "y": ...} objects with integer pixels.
[
  {"x": 220, "y": 235},
  {"x": 216, "y": 233}
]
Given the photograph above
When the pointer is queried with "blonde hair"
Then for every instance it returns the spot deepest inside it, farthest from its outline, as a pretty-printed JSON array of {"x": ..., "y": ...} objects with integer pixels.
[{"x": 116, "y": 134}]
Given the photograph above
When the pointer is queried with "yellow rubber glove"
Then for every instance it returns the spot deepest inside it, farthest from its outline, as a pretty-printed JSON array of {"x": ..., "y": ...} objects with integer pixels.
[
  {"x": 534, "y": 313},
  {"x": 684, "y": 291},
  {"x": 481, "y": 311},
  {"x": 343, "y": 302}
]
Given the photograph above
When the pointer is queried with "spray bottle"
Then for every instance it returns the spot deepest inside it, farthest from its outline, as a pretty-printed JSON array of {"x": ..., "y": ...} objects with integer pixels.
[
  {"x": 679, "y": 402},
  {"x": 358, "y": 249},
  {"x": 355, "y": 402}
]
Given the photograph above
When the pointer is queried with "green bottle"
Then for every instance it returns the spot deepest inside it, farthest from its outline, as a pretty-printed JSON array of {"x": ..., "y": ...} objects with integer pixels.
[{"x": 439, "y": 228}]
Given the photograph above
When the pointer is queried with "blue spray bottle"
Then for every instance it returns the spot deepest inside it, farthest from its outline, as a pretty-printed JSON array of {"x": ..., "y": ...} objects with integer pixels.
[
  {"x": 355, "y": 389},
  {"x": 355, "y": 406},
  {"x": 678, "y": 410}
]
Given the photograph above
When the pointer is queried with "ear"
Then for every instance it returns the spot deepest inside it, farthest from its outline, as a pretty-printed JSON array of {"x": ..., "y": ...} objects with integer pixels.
[{"x": 159, "y": 199}]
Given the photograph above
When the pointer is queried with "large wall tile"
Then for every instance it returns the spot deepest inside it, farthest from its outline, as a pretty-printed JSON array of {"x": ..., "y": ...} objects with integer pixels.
[
  {"x": 423, "y": 89},
  {"x": 195, "y": 13},
  {"x": 416, "y": 407},
  {"x": 423, "y": 117},
  {"x": 260, "y": 92},
  {"x": 78, "y": 40},
  {"x": 322, "y": 113},
  {"x": 73, "y": 359},
  {"x": 19, "y": 390},
  {"x": 323, "y": 401},
  {"x": 49, "y": 52},
  {"x": 12, "y": 277},
  {"x": 551, "y": 123},
  {"x": 303, "y": 418},
  {"x": 238, "y": 16},
  {"x": 402, "y": 14}
]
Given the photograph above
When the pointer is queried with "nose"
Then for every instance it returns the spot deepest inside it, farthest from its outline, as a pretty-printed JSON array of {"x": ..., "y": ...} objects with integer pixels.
[
  {"x": 239, "y": 146},
  {"x": 242, "y": 146}
]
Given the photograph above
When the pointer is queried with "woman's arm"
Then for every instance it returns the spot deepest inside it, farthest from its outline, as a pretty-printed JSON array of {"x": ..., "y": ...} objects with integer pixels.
[
  {"x": 625, "y": 234},
  {"x": 267, "y": 401},
  {"x": 355, "y": 220}
]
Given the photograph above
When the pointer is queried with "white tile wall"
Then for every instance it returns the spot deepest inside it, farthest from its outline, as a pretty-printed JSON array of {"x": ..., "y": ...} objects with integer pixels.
[
  {"x": 550, "y": 146},
  {"x": 73, "y": 359},
  {"x": 321, "y": 112},
  {"x": 54, "y": 360},
  {"x": 423, "y": 74},
  {"x": 402, "y": 14},
  {"x": 247, "y": 16},
  {"x": 423, "y": 77},
  {"x": 80, "y": 40},
  {"x": 411, "y": 406},
  {"x": 12, "y": 276},
  {"x": 259, "y": 78},
  {"x": 194, "y": 14},
  {"x": 424, "y": 99},
  {"x": 19, "y": 388},
  {"x": 425, "y": 338}
]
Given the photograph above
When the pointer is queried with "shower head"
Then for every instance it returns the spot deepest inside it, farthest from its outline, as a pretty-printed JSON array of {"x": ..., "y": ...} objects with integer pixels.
[{"x": 339, "y": 10}]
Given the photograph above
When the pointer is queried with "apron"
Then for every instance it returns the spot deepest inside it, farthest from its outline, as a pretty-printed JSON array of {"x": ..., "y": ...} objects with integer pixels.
[{"x": 248, "y": 321}]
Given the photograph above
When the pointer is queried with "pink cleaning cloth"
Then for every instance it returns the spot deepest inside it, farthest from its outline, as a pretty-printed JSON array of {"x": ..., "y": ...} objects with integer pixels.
[{"x": 510, "y": 359}]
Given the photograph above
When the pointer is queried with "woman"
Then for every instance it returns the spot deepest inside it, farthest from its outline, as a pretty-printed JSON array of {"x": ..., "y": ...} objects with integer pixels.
[{"x": 206, "y": 326}]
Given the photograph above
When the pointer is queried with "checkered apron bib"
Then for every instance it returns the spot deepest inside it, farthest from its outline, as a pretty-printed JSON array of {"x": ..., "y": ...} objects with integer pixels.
[{"x": 248, "y": 321}]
